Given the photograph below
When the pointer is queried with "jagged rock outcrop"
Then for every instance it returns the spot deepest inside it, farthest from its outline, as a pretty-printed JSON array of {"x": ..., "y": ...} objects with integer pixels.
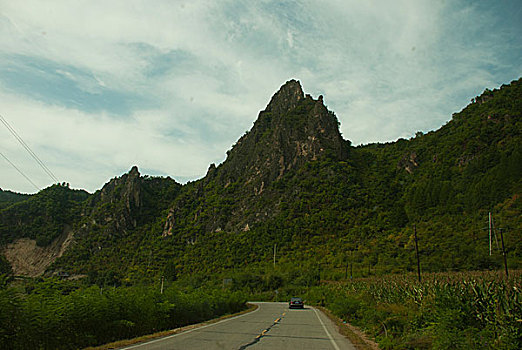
[
  {"x": 287, "y": 98},
  {"x": 113, "y": 214},
  {"x": 123, "y": 195},
  {"x": 294, "y": 129}
]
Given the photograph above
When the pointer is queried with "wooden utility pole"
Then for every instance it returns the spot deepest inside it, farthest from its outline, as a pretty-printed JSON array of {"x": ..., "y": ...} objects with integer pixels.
[
  {"x": 417, "y": 251},
  {"x": 490, "y": 229},
  {"x": 504, "y": 252}
]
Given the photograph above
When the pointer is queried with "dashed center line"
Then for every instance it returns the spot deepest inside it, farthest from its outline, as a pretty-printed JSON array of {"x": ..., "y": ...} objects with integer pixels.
[{"x": 263, "y": 333}]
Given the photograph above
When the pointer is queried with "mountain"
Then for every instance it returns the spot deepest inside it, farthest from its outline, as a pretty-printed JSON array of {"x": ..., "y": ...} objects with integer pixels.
[
  {"x": 8, "y": 198},
  {"x": 43, "y": 216},
  {"x": 57, "y": 218},
  {"x": 292, "y": 182},
  {"x": 292, "y": 131}
]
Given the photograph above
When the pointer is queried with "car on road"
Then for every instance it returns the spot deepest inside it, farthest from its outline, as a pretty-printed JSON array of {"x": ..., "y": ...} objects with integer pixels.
[{"x": 296, "y": 303}]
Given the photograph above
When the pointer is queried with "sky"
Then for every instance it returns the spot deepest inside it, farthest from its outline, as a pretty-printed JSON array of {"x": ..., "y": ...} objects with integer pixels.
[{"x": 96, "y": 87}]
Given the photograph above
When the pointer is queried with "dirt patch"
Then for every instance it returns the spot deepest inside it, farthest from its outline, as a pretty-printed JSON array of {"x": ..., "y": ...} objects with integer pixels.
[{"x": 28, "y": 259}]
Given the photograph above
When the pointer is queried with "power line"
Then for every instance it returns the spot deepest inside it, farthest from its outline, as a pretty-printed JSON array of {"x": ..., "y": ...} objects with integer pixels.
[
  {"x": 28, "y": 149},
  {"x": 20, "y": 171}
]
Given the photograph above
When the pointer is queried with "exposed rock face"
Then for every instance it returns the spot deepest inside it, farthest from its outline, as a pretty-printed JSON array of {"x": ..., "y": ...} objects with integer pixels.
[
  {"x": 120, "y": 209},
  {"x": 293, "y": 130},
  {"x": 169, "y": 223},
  {"x": 122, "y": 193},
  {"x": 122, "y": 205},
  {"x": 126, "y": 188},
  {"x": 408, "y": 162},
  {"x": 287, "y": 98}
]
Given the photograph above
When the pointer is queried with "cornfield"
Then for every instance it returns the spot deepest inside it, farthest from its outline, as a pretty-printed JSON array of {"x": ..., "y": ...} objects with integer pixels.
[{"x": 468, "y": 310}]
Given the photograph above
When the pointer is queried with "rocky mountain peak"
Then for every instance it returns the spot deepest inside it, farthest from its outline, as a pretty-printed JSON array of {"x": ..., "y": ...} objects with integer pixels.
[
  {"x": 134, "y": 172},
  {"x": 292, "y": 130},
  {"x": 287, "y": 98}
]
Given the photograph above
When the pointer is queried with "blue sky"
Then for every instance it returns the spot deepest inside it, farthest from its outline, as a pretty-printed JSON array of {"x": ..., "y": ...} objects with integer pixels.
[{"x": 95, "y": 87}]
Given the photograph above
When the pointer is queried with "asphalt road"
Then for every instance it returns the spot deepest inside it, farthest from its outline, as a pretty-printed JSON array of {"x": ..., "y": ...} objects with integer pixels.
[{"x": 271, "y": 326}]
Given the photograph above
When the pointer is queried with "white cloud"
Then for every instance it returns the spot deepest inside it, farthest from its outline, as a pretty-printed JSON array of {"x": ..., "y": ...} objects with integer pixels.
[
  {"x": 86, "y": 149},
  {"x": 172, "y": 84}
]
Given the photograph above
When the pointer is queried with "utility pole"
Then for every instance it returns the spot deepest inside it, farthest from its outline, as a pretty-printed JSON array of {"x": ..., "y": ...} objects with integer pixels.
[
  {"x": 417, "y": 252},
  {"x": 161, "y": 290},
  {"x": 504, "y": 252},
  {"x": 490, "y": 233},
  {"x": 275, "y": 248}
]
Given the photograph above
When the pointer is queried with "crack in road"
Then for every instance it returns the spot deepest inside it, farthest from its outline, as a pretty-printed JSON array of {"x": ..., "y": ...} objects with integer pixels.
[{"x": 263, "y": 333}]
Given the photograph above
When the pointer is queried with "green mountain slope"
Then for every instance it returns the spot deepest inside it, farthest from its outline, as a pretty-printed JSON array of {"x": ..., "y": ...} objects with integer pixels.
[
  {"x": 8, "y": 198},
  {"x": 293, "y": 182},
  {"x": 43, "y": 216}
]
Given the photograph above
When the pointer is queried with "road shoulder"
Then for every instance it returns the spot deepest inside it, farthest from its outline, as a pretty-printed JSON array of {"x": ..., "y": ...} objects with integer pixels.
[{"x": 354, "y": 334}]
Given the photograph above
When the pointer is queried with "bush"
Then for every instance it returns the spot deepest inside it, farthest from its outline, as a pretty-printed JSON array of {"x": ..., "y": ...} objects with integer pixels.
[{"x": 48, "y": 318}]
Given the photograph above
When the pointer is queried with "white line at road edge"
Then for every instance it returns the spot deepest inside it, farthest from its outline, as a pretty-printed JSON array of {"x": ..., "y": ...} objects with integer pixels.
[
  {"x": 190, "y": 330},
  {"x": 326, "y": 330}
]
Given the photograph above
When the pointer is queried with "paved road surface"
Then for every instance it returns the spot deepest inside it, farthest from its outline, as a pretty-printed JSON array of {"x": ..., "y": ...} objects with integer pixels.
[{"x": 271, "y": 326}]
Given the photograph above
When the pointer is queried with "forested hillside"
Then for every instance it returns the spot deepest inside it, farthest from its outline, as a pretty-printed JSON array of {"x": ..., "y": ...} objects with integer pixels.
[
  {"x": 8, "y": 198},
  {"x": 42, "y": 216},
  {"x": 294, "y": 184}
]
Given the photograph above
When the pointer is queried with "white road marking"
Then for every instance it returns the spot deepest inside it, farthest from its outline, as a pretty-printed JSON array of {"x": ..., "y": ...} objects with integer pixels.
[{"x": 326, "y": 330}]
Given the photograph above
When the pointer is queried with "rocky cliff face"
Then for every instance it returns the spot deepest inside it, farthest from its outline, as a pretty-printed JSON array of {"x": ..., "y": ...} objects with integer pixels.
[
  {"x": 294, "y": 129},
  {"x": 120, "y": 212},
  {"x": 124, "y": 196},
  {"x": 126, "y": 202}
]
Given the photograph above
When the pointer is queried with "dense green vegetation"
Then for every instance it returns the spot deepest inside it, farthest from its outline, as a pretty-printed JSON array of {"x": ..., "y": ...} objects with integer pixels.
[
  {"x": 292, "y": 181},
  {"x": 5, "y": 267},
  {"x": 361, "y": 206},
  {"x": 8, "y": 198},
  {"x": 445, "y": 311},
  {"x": 65, "y": 315},
  {"x": 43, "y": 216},
  {"x": 292, "y": 188}
]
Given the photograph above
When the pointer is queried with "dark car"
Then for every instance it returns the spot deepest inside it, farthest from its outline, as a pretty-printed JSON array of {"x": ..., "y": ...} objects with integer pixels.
[{"x": 296, "y": 303}]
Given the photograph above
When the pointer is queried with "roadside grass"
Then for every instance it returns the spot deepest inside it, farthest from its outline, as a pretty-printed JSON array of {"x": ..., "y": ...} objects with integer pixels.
[{"x": 357, "y": 337}]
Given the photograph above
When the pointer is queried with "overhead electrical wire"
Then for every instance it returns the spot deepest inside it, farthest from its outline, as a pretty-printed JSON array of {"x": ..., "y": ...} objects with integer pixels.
[
  {"x": 28, "y": 149},
  {"x": 20, "y": 171}
]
